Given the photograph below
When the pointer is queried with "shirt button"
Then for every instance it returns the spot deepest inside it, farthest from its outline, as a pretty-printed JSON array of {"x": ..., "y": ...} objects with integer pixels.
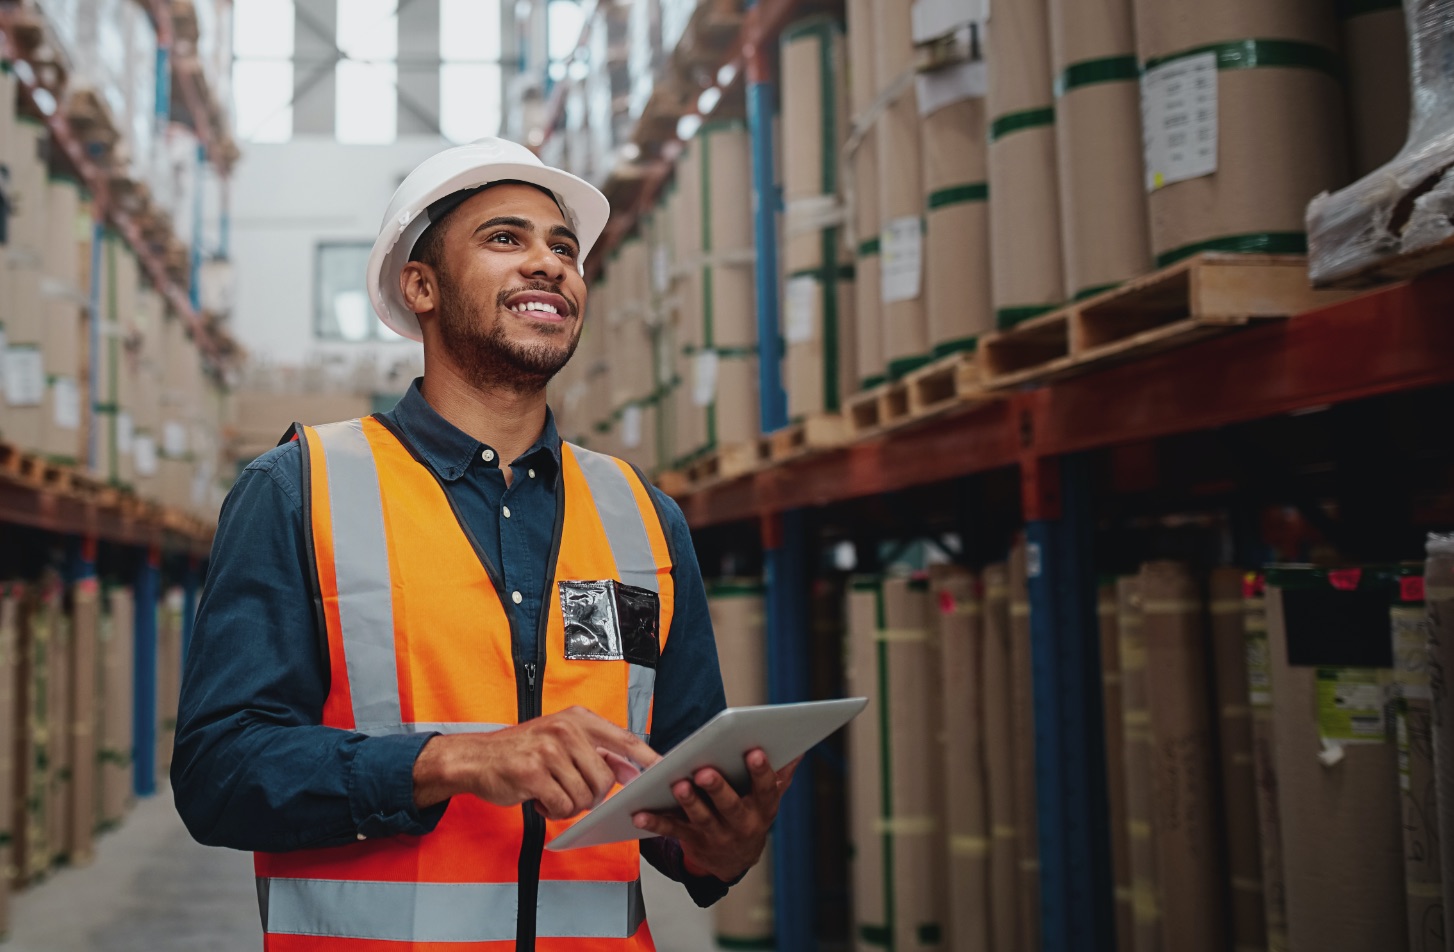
[
  {"x": 532, "y": 473},
  {"x": 507, "y": 512},
  {"x": 515, "y": 597},
  {"x": 488, "y": 456}
]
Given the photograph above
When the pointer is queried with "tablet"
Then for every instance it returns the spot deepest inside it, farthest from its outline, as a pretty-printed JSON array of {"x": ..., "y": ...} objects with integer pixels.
[{"x": 783, "y": 731}]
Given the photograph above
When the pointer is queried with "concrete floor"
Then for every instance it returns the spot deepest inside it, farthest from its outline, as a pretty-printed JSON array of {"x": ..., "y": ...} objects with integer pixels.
[{"x": 152, "y": 889}]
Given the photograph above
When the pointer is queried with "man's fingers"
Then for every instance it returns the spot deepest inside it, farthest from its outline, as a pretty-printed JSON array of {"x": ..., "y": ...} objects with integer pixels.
[
  {"x": 624, "y": 770},
  {"x": 726, "y": 801},
  {"x": 764, "y": 780},
  {"x": 698, "y": 812},
  {"x": 661, "y": 825},
  {"x": 605, "y": 734}
]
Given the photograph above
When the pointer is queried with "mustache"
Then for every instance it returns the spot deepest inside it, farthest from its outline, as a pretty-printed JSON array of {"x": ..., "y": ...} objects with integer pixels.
[{"x": 543, "y": 287}]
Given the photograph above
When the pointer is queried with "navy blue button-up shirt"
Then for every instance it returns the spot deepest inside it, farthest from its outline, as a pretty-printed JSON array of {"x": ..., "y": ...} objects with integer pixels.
[{"x": 254, "y": 769}]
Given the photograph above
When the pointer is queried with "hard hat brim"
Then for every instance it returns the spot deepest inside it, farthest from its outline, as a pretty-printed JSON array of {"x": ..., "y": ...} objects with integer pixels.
[{"x": 585, "y": 208}]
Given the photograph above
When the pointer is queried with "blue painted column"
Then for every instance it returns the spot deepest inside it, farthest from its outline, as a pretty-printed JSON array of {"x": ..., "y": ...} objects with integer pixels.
[
  {"x": 766, "y": 203},
  {"x": 197, "y": 203},
  {"x": 1070, "y": 776},
  {"x": 794, "y": 852},
  {"x": 144, "y": 675}
]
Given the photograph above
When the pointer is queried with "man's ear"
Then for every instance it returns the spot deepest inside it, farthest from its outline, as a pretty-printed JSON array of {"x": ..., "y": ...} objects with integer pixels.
[{"x": 419, "y": 286}]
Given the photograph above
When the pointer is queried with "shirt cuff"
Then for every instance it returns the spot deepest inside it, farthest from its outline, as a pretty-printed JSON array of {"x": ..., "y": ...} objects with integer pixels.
[
  {"x": 381, "y": 788},
  {"x": 665, "y": 854}
]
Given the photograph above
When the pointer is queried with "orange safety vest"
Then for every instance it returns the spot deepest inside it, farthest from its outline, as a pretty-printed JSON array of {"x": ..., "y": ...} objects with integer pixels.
[{"x": 419, "y": 639}]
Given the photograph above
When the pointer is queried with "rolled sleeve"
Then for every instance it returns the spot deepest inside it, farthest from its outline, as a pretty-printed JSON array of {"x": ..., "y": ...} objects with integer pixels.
[{"x": 381, "y": 788}]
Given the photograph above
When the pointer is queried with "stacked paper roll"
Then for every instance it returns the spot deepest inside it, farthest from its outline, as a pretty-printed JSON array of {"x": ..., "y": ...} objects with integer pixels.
[
  {"x": 1025, "y": 248},
  {"x": 1112, "y": 692},
  {"x": 1027, "y": 823},
  {"x": 1000, "y": 739},
  {"x": 1376, "y": 45},
  {"x": 956, "y": 230},
  {"x": 1255, "y": 87},
  {"x": 1248, "y": 925},
  {"x": 1183, "y": 761},
  {"x": 1140, "y": 800},
  {"x": 1439, "y": 605},
  {"x": 744, "y": 917},
  {"x": 866, "y": 734},
  {"x": 905, "y": 327},
  {"x": 864, "y": 176},
  {"x": 821, "y": 368},
  {"x": 1103, "y": 222},
  {"x": 965, "y": 798}
]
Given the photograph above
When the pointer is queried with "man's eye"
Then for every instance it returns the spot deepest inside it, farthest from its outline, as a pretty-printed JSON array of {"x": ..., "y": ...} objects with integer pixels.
[
  {"x": 564, "y": 250},
  {"x": 502, "y": 236}
]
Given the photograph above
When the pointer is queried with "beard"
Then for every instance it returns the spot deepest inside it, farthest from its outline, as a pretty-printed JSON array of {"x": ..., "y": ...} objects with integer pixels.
[{"x": 488, "y": 357}]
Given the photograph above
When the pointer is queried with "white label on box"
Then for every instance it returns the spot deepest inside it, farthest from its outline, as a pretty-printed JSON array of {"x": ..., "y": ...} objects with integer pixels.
[
  {"x": 145, "y": 448},
  {"x": 931, "y": 19},
  {"x": 24, "y": 376},
  {"x": 174, "y": 440},
  {"x": 802, "y": 294},
  {"x": 631, "y": 426},
  {"x": 1179, "y": 120},
  {"x": 945, "y": 87},
  {"x": 125, "y": 434},
  {"x": 704, "y": 378},
  {"x": 66, "y": 403},
  {"x": 660, "y": 270},
  {"x": 903, "y": 259}
]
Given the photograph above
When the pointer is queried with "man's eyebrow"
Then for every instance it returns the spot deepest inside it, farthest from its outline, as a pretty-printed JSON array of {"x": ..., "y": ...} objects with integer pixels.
[
  {"x": 511, "y": 221},
  {"x": 560, "y": 231}
]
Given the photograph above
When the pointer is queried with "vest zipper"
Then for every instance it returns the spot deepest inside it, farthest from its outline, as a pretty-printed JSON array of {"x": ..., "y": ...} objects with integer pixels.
[{"x": 533, "y": 844}]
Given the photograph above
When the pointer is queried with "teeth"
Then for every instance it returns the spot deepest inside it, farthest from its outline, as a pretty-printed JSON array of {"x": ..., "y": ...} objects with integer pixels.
[{"x": 535, "y": 306}]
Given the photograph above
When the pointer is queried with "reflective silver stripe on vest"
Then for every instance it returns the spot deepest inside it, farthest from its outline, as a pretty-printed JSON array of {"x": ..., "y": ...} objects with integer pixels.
[
  {"x": 361, "y": 565},
  {"x": 421, "y": 727},
  {"x": 447, "y": 912},
  {"x": 621, "y": 518},
  {"x": 631, "y": 548}
]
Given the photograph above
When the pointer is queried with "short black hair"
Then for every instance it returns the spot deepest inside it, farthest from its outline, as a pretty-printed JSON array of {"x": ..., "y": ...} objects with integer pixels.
[{"x": 429, "y": 248}]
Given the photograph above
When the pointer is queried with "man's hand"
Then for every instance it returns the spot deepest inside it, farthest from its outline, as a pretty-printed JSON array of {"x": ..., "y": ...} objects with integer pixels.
[
  {"x": 723, "y": 833},
  {"x": 559, "y": 761}
]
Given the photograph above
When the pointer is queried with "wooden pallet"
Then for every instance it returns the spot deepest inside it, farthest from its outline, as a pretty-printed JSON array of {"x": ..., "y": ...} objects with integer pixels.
[
  {"x": 1202, "y": 296},
  {"x": 724, "y": 463},
  {"x": 946, "y": 383},
  {"x": 878, "y": 409},
  {"x": 820, "y": 431},
  {"x": 714, "y": 26},
  {"x": 91, "y": 121}
]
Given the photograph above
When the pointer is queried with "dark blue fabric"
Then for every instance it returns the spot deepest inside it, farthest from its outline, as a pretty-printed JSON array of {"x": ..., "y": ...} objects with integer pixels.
[{"x": 255, "y": 770}]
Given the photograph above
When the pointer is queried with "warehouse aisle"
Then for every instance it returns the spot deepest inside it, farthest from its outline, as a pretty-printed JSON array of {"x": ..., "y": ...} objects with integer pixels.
[{"x": 152, "y": 889}]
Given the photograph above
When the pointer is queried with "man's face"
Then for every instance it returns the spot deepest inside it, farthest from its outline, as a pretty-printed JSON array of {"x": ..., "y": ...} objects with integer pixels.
[{"x": 511, "y": 298}]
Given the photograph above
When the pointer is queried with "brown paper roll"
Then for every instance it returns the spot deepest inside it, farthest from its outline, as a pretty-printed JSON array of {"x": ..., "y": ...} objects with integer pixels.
[
  {"x": 85, "y": 795},
  {"x": 116, "y": 734},
  {"x": 1183, "y": 761},
  {"x": 1439, "y": 605},
  {"x": 726, "y": 180},
  {"x": 1114, "y": 706},
  {"x": 1140, "y": 801},
  {"x": 1023, "y": 693},
  {"x": 11, "y": 596},
  {"x": 905, "y": 328},
  {"x": 999, "y": 732},
  {"x": 1025, "y": 247},
  {"x": 865, "y": 796},
  {"x": 868, "y": 287},
  {"x": 1376, "y": 45},
  {"x": 1248, "y": 925},
  {"x": 1342, "y": 846},
  {"x": 1282, "y": 136},
  {"x": 58, "y": 735},
  {"x": 1098, "y": 144},
  {"x": 956, "y": 237},
  {"x": 967, "y": 834},
  {"x": 1264, "y": 763}
]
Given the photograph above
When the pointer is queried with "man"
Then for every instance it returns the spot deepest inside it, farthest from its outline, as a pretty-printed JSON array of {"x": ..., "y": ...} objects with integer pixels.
[{"x": 431, "y": 638}]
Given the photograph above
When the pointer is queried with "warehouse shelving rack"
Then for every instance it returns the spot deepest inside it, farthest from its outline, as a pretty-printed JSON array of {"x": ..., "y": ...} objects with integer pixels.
[
  {"x": 47, "y": 508},
  {"x": 1390, "y": 341}
]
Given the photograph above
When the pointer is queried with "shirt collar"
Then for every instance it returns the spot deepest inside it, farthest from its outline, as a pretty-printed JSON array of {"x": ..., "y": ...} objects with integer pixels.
[{"x": 450, "y": 451}]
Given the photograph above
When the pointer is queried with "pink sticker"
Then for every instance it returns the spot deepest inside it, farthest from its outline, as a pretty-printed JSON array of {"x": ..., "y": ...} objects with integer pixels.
[
  {"x": 946, "y": 603},
  {"x": 1411, "y": 588},
  {"x": 1345, "y": 580},
  {"x": 1253, "y": 585}
]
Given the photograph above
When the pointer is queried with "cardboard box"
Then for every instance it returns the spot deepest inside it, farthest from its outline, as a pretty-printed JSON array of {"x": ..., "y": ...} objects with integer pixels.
[
  {"x": 1185, "y": 785},
  {"x": 1248, "y": 925},
  {"x": 999, "y": 733},
  {"x": 960, "y": 603},
  {"x": 1338, "y": 800}
]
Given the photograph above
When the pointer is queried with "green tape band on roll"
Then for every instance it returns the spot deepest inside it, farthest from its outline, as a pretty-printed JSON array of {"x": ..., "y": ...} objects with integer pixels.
[
  {"x": 1019, "y": 121},
  {"x": 875, "y": 935},
  {"x": 734, "y": 943},
  {"x": 1267, "y": 243},
  {"x": 722, "y": 125},
  {"x": 906, "y": 365},
  {"x": 1260, "y": 54},
  {"x": 885, "y": 764},
  {"x": 1348, "y": 9},
  {"x": 736, "y": 353},
  {"x": 959, "y": 345},
  {"x": 869, "y": 247},
  {"x": 831, "y": 397},
  {"x": 959, "y": 195},
  {"x": 1095, "y": 289},
  {"x": 734, "y": 589},
  {"x": 1008, "y": 317},
  {"x": 868, "y": 383},
  {"x": 820, "y": 25},
  {"x": 1108, "y": 69}
]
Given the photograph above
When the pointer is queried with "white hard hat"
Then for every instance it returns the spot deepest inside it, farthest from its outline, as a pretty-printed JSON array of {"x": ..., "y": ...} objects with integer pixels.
[{"x": 458, "y": 169}]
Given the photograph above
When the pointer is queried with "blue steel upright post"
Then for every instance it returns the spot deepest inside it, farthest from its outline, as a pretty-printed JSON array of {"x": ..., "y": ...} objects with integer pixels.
[
  {"x": 144, "y": 684},
  {"x": 1070, "y": 777},
  {"x": 784, "y": 535}
]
